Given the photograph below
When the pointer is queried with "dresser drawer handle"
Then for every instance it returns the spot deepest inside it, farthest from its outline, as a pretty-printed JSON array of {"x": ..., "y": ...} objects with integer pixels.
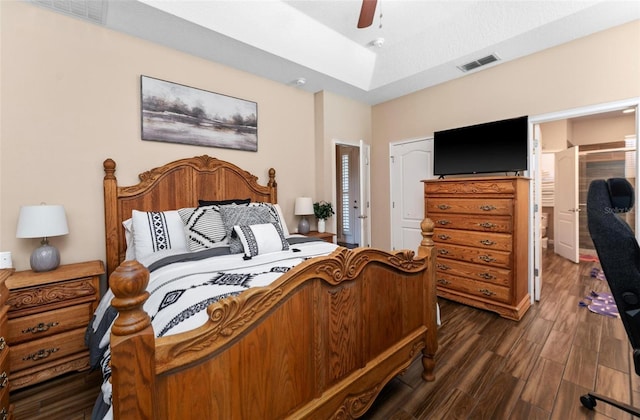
[
  {"x": 443, "y": 282},
  {"x": 444, "y": 237},
  {"x": 40, "y": 354},
  {"x": 443, "y": 222},
  {"x": 444, "y": 207},
  {"x": 443, "y": 251},
  {"x": 443, "y": 267},
  {"x": 486, "y": 276},
  {"x": 4, "y": 378},
  {"x": 3, "y": 414},
  {"x": 487, "y": 207},
  {"x": 486, "y": 258},
  {"x": 486, "y": 292},
  {"x": 41, "y": 327},
  {"x": 487, "y": 242},
  {"x": 3, "y": 343},
  {"x": 487, "y": 225}
]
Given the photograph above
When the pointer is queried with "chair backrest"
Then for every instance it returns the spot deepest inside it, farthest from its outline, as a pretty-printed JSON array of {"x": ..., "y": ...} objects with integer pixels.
[{"x": 617, "y": 250}]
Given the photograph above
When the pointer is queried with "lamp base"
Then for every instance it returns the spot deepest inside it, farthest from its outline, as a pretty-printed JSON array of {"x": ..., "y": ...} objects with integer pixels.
[
  {"x": 45, "y": 258},
  {"x": 303, "y": 226}
]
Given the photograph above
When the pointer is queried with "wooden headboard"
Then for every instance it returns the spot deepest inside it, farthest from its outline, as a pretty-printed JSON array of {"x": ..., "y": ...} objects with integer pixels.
[{"x": 172, "y": 186}]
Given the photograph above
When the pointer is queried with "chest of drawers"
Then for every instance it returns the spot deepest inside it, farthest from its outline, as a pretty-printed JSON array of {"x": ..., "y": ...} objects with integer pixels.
[
  {"x": 481, "y": 236},
  {"x": 48, "y": 315},
  {"x": 5, "y": 411}
]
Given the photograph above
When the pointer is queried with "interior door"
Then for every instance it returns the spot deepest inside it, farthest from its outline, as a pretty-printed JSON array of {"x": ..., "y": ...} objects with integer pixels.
[
  {"x": 410, "y": 163},
  {"x": 348, "y": 195},
  {"x": 566, "y": 209},
  {"x": 365, "y": 200}
]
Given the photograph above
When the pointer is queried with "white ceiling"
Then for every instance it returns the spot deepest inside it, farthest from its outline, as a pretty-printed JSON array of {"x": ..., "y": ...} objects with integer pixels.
[{"x": 424, "y": 41}]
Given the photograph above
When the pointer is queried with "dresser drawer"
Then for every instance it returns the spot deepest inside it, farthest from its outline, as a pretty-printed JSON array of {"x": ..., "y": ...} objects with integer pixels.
[
  {"x": 36, "y": 326},
  {"x": 37, "y": 299},
  {"x": 478, "y": 223},
  {"x": 502, "y": 207},
  {"x": 478, "y": 272},
  {"x": 36, "y": 352},
  {"x": 473, "y": 287},
  {"x": 495, "y": 241},
  {"x": 474, "y": 255},
  {"x": 471, "y": 186},
  {"x": 4, "y": 384}
]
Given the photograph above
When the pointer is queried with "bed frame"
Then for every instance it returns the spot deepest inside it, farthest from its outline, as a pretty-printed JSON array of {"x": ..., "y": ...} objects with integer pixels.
[{"x": 320, "y": 342}]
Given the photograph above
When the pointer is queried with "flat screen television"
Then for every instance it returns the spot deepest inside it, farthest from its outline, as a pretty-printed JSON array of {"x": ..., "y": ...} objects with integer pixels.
[{"x": 498, "y": 146}]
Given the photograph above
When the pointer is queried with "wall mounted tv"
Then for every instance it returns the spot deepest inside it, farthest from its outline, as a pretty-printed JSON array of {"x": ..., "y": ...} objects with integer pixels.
[{"x": 498, "y": 146}]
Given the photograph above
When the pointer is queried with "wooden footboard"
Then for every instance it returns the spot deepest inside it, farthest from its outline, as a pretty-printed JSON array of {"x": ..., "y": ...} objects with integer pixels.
[{"x": 320, "y": 342}]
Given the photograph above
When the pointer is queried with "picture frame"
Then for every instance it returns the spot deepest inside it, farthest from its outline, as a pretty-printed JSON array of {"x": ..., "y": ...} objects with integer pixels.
[{"x": 175, "y": 113}]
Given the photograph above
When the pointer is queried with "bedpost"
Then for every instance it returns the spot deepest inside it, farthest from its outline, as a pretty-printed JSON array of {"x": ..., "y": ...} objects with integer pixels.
[
  {"x": 273, "y": 185},
  {"x": 132, "y": 345},
  {"x": 428, "y": 251},
  {"x": 111, "y": 215}
]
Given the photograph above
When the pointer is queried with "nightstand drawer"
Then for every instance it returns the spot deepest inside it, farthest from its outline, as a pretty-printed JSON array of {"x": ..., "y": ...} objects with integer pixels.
[
  {"x": 37, "y": 299},
  {"x": 33, "y": 327},
  {"x": 46, "y": 349}
]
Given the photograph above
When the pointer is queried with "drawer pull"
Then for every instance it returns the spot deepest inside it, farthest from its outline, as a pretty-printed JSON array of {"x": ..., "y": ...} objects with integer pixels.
[
  {"x": 41, "y": 327},
  {"x": 486, "y": 292},
  {"x": 487, "y": 225},
  {"x": 40, "y": 354},
  {"x": 487, "y": 207},
  {"x": 443, "y": 222},
  {"x": 486, "y": 258},
  {"x": 443, "y": 267},
  {"x": 4, "y": 379},
  {"x": 3, "y": 343},
  {"x": 444, "y": 237},
  {"x": 444, "y": 207},
  {"x": 487, "y": 242},
  {"x": 487, "y": 276},
  {"x": 443, "y": 251},
  {"x": 443, "y": 282},
  {"x": 3, "y": 414}
]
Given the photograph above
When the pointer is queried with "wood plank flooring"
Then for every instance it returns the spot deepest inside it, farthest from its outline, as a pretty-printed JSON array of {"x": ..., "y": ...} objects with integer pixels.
[{"x": 487, "y": 367}]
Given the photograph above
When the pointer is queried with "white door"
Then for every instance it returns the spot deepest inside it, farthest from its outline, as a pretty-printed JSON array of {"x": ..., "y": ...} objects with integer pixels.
[
  {"x": 410, "y": 163},
  {"x": 566, "y": 209},
  {"x": 365, "y": 205}
]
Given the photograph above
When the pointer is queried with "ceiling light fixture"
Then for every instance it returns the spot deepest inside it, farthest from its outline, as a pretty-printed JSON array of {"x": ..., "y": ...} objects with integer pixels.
[{"x": 300, "y": 81}]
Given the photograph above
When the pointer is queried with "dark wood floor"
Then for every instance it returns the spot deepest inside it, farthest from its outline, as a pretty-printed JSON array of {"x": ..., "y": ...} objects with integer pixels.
[{"x": 487, "y": 367}]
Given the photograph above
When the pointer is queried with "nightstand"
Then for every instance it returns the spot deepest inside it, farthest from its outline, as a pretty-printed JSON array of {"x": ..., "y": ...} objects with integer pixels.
[
  {"x": 48, "y": 315},
  {"x": 4, "y": 348},
  {"x": 325, "y": 236}
]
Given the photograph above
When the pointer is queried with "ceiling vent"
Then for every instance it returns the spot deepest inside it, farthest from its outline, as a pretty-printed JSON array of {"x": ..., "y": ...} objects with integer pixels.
[
  {"x": 479, "y": 63},
  {"x": 92, "y": 10}
]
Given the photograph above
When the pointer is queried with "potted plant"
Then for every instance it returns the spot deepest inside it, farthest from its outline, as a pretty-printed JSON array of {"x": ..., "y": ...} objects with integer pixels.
[{"x": 322, "y": 210}]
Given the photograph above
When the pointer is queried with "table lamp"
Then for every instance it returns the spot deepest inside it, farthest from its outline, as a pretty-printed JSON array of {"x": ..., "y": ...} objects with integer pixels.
[
  {"x": 43, "y": 221},
  {"x": 303, "y": 207}
]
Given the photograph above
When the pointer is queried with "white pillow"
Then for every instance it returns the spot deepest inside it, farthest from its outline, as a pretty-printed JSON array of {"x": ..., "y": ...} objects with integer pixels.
[
  {"x": 130, "y": 253},
  {"x": 261, "y": 238},
  {"x": 158, "y": 231}
]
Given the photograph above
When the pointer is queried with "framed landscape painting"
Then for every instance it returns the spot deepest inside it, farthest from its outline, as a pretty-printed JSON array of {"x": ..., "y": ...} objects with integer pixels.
[{"x": 181, "y": 114}]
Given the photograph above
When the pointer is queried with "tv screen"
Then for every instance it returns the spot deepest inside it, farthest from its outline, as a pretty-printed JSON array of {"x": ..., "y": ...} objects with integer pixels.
[{"x": 498, "y": 146}]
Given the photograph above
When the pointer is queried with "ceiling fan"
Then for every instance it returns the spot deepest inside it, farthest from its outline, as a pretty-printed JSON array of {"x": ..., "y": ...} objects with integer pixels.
[{"x": 366, "y": 13}]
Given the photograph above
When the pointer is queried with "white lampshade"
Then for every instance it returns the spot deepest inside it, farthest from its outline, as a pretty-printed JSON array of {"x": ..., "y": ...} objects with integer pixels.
[
  {"x": 41, "y": 221},
  {"x": 304, "y": 206}
]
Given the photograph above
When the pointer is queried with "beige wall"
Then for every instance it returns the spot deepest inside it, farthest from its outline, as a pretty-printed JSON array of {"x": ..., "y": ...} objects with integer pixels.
[
  {"x": 605, "y": 130},
  {"x": 600, "y": 68},
  {"x": 70, "y": 99}
]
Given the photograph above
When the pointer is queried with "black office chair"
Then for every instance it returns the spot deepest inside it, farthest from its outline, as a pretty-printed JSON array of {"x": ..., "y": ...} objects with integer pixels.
[{"x": 619, "y": 256}]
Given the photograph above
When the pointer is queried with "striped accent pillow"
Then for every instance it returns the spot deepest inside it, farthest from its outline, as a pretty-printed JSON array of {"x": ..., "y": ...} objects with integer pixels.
[{"x": 203, "y": 227}]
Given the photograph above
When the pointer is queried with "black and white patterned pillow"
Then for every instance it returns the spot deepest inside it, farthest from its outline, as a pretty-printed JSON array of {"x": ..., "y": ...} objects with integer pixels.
[
  {"x": 203, "y": 227},
  {"x": 261, "y": 239},
  {"x": 241, "y": 215},
  {"x": 156, "y": 231},
  {"x": 275, "y": 213}
]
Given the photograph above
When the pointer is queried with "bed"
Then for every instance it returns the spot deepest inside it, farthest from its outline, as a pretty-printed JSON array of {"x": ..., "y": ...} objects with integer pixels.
[{"x": 319, "y": 341}]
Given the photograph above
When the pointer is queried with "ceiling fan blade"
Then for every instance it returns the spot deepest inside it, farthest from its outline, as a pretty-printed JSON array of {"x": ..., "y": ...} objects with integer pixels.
[{"x": 366, "y": 13}]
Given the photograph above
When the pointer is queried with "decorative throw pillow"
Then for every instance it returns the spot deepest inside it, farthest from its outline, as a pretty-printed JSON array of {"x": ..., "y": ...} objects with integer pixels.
[
  {"x": 224, "y": 202},
  {"x": 157, "y": 231},
  {"x": 203, "y": 227},
  {"x": 261, "y": 239},
  {"x": 128, "y": 236},
  {"x": 241, "y": 215},
  {"x": 275, "y": 213}
]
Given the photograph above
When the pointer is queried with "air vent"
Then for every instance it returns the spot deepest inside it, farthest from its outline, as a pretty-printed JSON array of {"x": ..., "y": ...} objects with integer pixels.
[
  {"x": 479, "y": 63},
  {"x": 92, "y": 10}
]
